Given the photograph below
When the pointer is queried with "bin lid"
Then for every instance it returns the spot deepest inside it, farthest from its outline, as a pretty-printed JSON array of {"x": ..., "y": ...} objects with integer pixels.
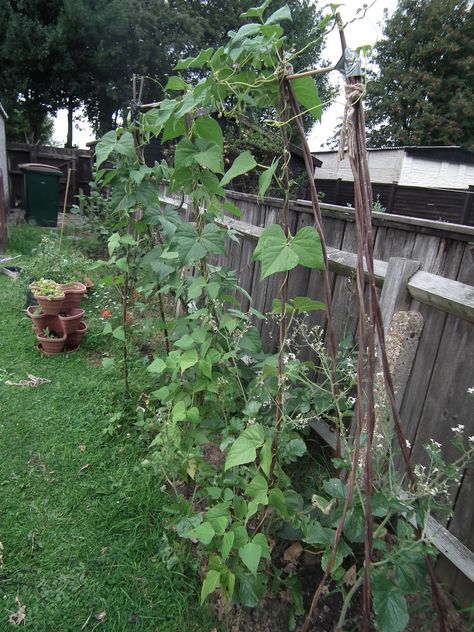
[{"x": 36, "y": 166}]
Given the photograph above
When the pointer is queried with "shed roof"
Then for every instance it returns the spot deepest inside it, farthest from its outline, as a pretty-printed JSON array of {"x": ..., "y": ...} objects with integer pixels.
[{"x": 447, "y": 153}]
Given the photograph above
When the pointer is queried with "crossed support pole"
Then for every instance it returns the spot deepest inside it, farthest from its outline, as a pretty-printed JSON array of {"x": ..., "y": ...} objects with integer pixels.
[
  {"x": 353, "y": 134},
  {"x": 371, "y": 336}
]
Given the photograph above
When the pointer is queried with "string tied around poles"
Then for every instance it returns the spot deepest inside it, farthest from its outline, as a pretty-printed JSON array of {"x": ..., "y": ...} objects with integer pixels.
[{"x": 354, "y": 93}]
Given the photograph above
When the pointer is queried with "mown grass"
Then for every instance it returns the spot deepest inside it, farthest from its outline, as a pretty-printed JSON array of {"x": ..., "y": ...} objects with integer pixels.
[{"x": 81, "y": 522}]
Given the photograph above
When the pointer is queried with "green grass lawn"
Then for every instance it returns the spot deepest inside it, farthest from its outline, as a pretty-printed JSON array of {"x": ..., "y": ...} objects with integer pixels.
[{"x": 81, "y": 522}]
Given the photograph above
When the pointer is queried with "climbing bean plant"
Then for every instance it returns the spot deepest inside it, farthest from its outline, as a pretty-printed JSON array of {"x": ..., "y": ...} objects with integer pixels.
[{"x": 226, "y": 420}]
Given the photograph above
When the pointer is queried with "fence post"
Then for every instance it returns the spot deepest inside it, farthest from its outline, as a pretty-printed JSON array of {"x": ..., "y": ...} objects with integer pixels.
[
  {"x": 73, "y": 179},
  {"x": 466, "y": 208},
  {"x": 395, "y": 296},
  {"x": 336, "y": 190},
  {"x": 3, "y": 217},
  {"x": 391, "y": 199},
  {"x": 402, "y": 334}
]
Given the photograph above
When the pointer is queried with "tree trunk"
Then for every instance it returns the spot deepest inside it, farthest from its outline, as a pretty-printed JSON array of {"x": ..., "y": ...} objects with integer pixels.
[{"x": 70, "y": 120}]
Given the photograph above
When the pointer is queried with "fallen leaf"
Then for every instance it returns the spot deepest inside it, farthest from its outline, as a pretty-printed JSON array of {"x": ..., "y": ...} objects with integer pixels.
[
  {"x": 17, "y": 618},
  {"x": 104, "y": 550},
  {"x": 293, "y": 552},
  {"x": 350, "y": 576},
  {"x": 192, "y": 467},
  {"x": 82, "y": 447},
  {"x": 84, "y": 467},
  {"x": 100, "y": 616}
]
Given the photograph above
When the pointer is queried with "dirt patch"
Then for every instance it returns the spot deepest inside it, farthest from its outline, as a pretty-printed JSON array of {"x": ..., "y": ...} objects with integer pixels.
[
  {"x": 95, "y": 361},
  {"x": 212, "y": 454},
  {"x": 273, "y": 614}
]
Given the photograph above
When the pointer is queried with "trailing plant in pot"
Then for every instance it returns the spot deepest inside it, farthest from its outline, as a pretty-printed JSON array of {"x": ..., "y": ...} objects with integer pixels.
[
  {"x": 49, "y": 295},
  {"x": 40, "y": 320},
  {"x": 51, "y": 342}
]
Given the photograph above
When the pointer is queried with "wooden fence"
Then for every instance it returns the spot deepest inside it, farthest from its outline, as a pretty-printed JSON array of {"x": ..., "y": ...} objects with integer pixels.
[
  {"x": 427, "y": 203},
  {"x": 437, "y": 283},
  {"x": 78, "y": 160}
]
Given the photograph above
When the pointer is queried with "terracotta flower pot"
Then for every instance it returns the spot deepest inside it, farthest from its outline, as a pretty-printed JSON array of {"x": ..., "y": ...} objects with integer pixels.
[
  {"x": 41, "y": 350},
  {"x": 50, "y": 306},
  {"x": 71, "y": 322},
  {"x": 51, "y": 346},
  {"x": 74, "y": 339},
  {"x": 74, "y": 293},
  {"x": 41, "y": 321},
  {"x": 89, "y": 283}
]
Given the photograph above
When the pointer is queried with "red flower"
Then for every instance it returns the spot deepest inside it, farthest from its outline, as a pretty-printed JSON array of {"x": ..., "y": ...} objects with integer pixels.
[{"x": 105, "y": 313}]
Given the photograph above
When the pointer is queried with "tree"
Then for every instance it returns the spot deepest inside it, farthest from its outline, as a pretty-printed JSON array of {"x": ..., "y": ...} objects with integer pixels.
[
  {"x": 114, "y": 40},
  {"x": 67, "y": 53},
  {"x": 422, "y": 92},
  {"x": 27, "y": 52}
]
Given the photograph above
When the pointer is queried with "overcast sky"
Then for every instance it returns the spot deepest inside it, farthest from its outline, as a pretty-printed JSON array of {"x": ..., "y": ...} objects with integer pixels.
[
  {"x": 362, "y": 31},
  {"x": 367, "y": 30}
]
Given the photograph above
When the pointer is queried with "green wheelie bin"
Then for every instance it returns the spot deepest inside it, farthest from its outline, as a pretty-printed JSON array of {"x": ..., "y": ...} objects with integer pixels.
[{"x": 41, "y": 193}]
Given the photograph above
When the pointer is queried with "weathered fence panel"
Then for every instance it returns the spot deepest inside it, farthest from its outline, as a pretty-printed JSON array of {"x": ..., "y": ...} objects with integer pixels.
[
  {"x": 423, "y": 202},
  {"x": 78, "y": 160},
  {"x": 436, "y": 397}
]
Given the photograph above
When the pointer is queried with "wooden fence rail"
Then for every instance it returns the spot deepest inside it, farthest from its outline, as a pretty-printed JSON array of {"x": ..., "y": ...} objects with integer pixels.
[
  {"x": 452, "y": 205},
  {"x": 450, "y": 296}
]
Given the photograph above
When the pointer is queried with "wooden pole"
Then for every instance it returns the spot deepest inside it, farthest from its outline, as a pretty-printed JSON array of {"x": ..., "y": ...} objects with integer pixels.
[
  {"x": 311, "y": 73},
  {"x": 64, "y": 207},
  {"x": 3, "y": 216}
]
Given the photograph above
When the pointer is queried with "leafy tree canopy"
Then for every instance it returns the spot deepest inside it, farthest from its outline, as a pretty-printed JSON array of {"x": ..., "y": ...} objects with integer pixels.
[
  {"x": 28, "y": 40},
  {"x": 422, "y": 92},
  {"x": 64, "y": 53}
]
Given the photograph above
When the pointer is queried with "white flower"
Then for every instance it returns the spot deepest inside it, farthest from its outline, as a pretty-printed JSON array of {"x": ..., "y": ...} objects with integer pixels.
[
  {"x": 458, "y": 429},
  {"x": 407, "y": 443},
  {"x": 471, "y": 390},
  {"x": 471, "y": 439}
]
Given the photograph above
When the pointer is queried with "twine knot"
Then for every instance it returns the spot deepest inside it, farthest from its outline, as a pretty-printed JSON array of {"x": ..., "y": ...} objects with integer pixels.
[
  {"x": 282, "y": 71},
  {"x": 354, "y": 93}
]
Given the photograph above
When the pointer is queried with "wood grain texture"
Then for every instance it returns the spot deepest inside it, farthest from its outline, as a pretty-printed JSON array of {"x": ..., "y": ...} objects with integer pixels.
[
  {"x": 395, "y": 296},
  {"x": 444, "y": 294},
  {"x": 435, "y": 398}
]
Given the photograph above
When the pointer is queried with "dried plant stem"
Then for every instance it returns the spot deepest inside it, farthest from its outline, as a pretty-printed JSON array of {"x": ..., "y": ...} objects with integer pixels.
[
  {"x": 126, "y": 289},
  {"x": 317, "y": 217},
  {"x": 283, "y": 117},
  {"x": 163, "y": 318}
]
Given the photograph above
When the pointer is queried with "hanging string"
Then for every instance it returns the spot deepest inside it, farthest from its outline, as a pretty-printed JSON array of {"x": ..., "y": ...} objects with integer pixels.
[{"x": 354, "y": 93}]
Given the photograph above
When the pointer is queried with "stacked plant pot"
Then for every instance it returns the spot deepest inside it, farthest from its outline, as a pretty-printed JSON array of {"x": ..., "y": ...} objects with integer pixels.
[{"x": 57, "y": 319}]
